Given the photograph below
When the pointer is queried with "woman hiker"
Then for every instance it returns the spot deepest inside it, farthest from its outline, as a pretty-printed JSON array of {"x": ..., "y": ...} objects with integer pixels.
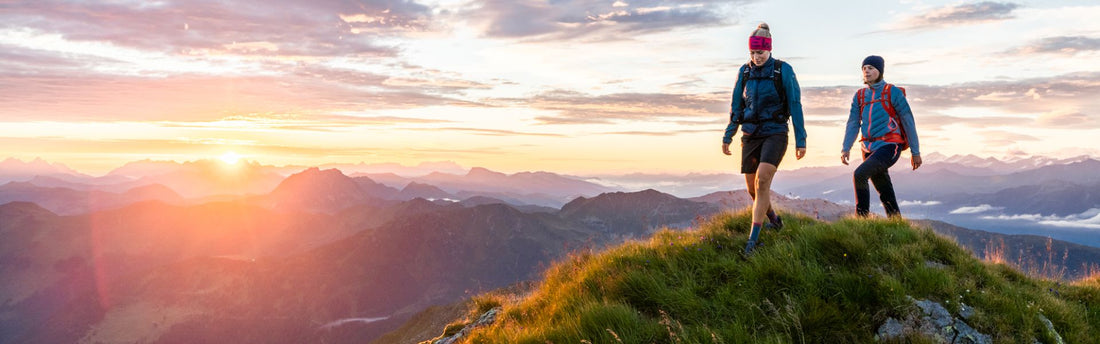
[
  {"x": 765, "y": 96},
  {"x": 882, "y": 117}
]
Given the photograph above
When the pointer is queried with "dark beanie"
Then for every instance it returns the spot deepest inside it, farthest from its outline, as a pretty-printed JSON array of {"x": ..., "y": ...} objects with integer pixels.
[{"x": 875, "y": 61}]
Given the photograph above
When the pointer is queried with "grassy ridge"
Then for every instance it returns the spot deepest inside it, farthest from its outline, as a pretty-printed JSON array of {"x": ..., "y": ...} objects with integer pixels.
[{"x": 813, "y": 282}]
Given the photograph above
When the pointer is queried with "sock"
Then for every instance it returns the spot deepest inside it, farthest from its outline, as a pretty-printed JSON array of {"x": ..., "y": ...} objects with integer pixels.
[
  {"x": 772, "y": 216},
  {"x": 755, "y": 233}
]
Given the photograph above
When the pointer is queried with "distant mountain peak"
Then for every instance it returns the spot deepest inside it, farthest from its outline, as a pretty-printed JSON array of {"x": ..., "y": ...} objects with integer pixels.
[
  {"x": 11, "y": 210},
  {"x": 481, "y": 172},
  {"x": 36, "y": 166},
  {"x": 316, "y": 175},
  {"x": 317, "y": 181},
  {"x": 421, "y": 190}
]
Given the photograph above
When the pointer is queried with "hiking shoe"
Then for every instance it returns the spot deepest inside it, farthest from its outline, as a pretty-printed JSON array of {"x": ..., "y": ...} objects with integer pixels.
[
  {"x": 776, "y": 225},
  {"x": 749, "y": 247}
]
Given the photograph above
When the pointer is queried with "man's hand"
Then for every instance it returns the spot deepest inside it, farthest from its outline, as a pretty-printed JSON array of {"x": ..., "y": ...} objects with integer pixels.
[
  {"x": 844, "y": 158},
  {"x": 799, "y": 153},
  {"x": 916, "y": 162},
  {"x": 726, "y": 149}
]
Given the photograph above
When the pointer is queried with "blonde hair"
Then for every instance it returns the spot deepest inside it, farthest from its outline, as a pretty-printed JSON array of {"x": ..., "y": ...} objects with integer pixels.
[{"x": 762, "y": 30}]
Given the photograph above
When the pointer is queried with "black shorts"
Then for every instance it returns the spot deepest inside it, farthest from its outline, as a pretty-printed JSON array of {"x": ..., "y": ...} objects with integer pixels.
[{"x": 769, "y": 149}]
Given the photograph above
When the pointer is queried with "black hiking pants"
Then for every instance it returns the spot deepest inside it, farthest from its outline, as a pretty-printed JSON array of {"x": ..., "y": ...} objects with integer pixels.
[{"x": 876, "y": 167}]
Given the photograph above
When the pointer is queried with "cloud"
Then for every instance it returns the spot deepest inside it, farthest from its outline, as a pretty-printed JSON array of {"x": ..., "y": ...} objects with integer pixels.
[
  {"x": 974, "y": 210},
  {"x": 825, "y": 123},
  {"x": 594, "y": 19},
  {"x": 580, "y": 108},
  {"x": 967, "y": 14},
  {"x": 123, "y": 150},
  {"x": 1064, "y": 119},
  {"x": 662, "y": 133},
  {"x": 1041, "y": 102},
  {"x": 13, "y": 58},
  {"x": 79, "y": 93},
  {"x": 1088, "y": 219},
  {"x": 919, "y": 203},
  {"x": 1051, "y": 102},
  {"x": 1066, "y": 45},
  {"x": 199, "y": 98},
  {"x": 288, "y": 27},
  {"x": 298, "y": 122},
  {"x": 491, "y": 132},
  {"x": 1001, "y": 137}
]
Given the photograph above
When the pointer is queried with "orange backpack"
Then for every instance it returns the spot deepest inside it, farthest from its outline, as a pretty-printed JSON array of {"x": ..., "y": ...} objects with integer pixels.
[{"x": 899, "y": 136}]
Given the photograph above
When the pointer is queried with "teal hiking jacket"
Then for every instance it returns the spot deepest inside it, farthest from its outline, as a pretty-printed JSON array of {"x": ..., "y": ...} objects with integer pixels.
[{"x": 762, "y": 102}]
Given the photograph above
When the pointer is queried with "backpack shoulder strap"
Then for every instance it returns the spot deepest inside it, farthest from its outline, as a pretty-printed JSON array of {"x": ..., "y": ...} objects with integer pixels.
[
  {"x": 887, "y": 103},
  {"x": 744, "y": 83},
  {"x": 777, "y": 77}
]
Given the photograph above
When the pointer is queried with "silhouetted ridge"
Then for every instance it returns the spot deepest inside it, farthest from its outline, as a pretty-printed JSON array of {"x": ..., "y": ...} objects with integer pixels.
[
  {"x": 19, "y": 208},
  {"x": 635, "y": 212}
]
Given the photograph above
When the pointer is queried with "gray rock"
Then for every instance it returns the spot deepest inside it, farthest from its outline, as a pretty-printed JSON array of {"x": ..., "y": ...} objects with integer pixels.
[
  {"x": 891, "y": 329},
  {"x": 934, "y": 264},
  {"x": 935, "y": 312},
  {"x": 1050, "y": 329},
  {"x": 485, "y": 319},
  {"x": 968, "y": 335},
  {"x": 965, "y": 311},
  {"x": 936, "y": 323}
]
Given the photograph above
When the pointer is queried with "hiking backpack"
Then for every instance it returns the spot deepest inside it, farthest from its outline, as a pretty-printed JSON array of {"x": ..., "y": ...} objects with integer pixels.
[
  {"x": 777, "y": 79},
  {"x": 899, "y": 137}
]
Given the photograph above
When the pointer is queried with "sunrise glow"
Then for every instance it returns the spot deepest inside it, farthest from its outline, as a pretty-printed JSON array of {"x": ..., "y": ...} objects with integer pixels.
[
  {"x": 230, "y": 157},
  {"x": 633, "y": 87}
]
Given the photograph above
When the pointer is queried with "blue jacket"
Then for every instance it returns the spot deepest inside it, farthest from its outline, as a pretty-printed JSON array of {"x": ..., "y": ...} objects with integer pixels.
[
  {"x": 873, "y": 121},
  {"x": 762, "y": 101}
]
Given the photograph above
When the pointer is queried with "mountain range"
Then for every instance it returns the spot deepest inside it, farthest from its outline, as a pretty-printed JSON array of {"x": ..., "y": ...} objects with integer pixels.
[
  {"x": 236, "y": 263},
  {"x": 324, "y": 257}
]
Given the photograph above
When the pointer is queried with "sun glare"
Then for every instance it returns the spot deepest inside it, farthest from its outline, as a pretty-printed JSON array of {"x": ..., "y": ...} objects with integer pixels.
[{"x": 230, "y": 158}]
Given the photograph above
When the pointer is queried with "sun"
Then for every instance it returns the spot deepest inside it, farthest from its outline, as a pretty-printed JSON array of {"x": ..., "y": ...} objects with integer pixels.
[{"x": 230, "y": 157}]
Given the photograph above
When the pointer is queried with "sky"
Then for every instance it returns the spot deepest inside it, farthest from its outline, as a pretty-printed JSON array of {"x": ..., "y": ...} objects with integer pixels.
[{"x": 571, "y": 86}]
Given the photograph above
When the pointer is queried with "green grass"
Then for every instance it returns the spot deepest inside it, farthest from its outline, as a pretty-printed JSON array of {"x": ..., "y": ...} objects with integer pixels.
[{"x": 813, "y": 282}]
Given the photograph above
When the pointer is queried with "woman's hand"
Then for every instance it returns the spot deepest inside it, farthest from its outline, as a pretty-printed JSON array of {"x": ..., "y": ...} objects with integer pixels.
[
  {"x": 799, "y": 153},
  {"x": 726, "y": 149},
  {"x": 844, "y": 158},
  {"x": 916, "y": 162}
]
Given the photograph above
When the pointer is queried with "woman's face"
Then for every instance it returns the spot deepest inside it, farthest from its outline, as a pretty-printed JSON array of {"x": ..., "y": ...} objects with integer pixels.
[
  {"x": 759, "y": 56},
  {"x": 870, "y": 74}
]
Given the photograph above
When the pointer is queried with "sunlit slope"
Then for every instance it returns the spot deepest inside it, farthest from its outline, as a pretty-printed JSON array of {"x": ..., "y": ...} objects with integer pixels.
[{"x": 813, "y": 282}]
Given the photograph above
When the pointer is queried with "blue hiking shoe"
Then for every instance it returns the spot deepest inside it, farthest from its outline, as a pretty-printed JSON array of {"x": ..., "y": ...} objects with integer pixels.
[{"x": 751, "y": 246}]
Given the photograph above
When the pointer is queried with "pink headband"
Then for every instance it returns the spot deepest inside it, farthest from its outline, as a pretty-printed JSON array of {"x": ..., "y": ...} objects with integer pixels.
[{"x": 760, "y": 43}]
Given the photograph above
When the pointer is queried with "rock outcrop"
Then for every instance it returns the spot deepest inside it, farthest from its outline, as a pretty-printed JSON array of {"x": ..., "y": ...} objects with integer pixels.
[
  {"x": 486, "y": 319},
  {"x": 934, "y": 322}
]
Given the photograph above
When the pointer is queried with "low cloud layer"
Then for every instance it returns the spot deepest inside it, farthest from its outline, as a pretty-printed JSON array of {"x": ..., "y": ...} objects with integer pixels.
[
  {"x": 1058, "y": 102},
  {"x": 974, "y": 209},
  {"x": 919, "y": 203},
  {"x": 1088, "y": 219}
]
